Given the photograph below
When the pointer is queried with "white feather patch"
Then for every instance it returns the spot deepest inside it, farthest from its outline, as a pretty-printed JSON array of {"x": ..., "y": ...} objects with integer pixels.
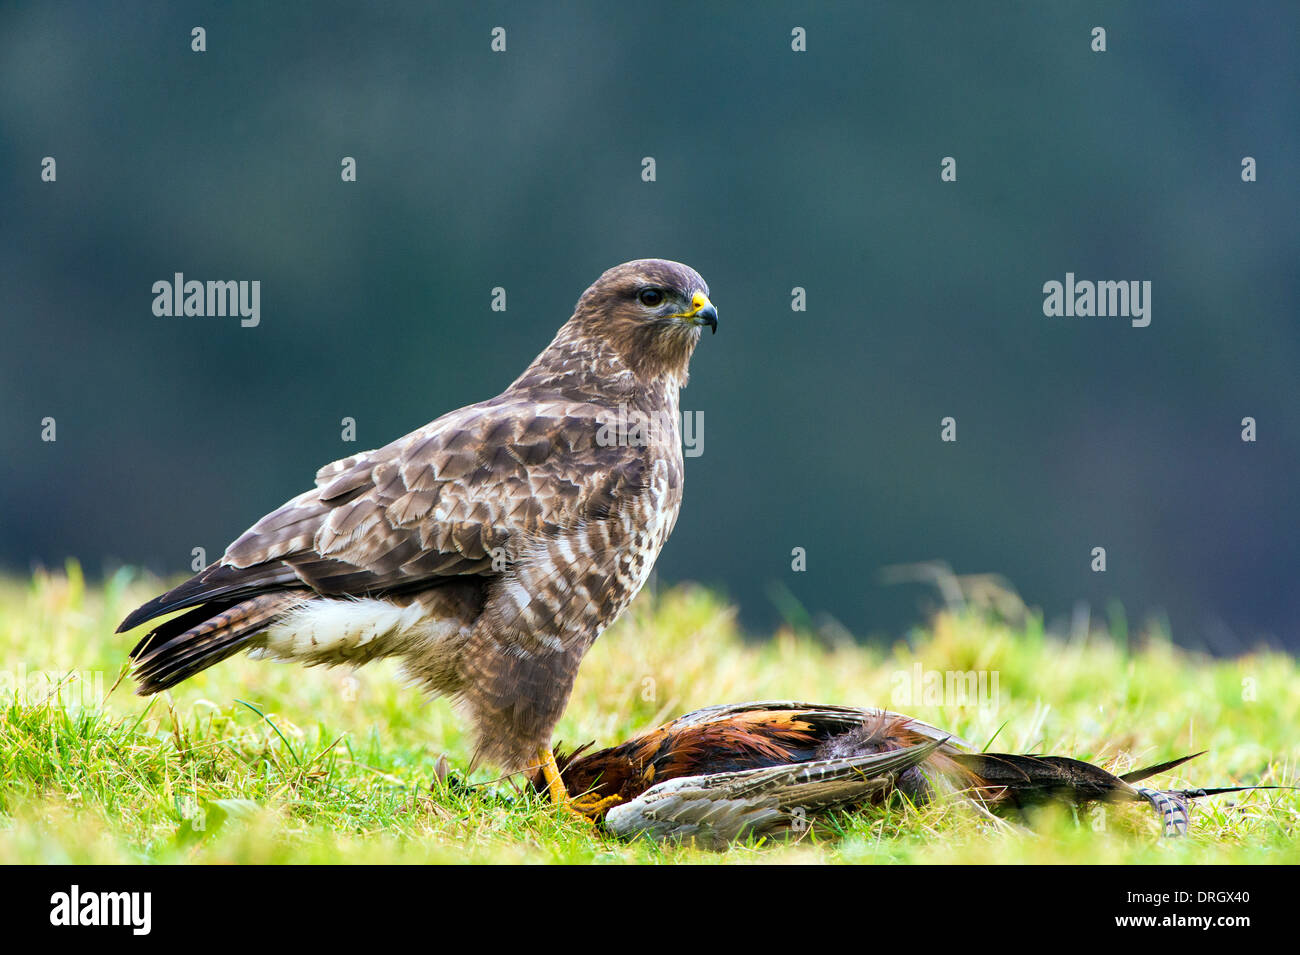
[{"x": 328, "y": 630}]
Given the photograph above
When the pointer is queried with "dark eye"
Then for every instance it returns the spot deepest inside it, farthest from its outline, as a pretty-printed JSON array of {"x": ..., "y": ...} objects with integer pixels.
[{"x": 650, "y": 297}]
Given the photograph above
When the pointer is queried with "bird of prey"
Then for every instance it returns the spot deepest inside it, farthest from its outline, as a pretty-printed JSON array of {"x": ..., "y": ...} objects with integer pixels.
[
  {"x": 752, "y": 769},
  {"x": 488, "y": 549}
]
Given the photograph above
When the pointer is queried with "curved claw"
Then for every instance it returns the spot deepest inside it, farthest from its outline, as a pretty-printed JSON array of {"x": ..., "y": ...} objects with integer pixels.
[
  {"x": 589, "y": 805},
  {"x": 593, "y": 806}
]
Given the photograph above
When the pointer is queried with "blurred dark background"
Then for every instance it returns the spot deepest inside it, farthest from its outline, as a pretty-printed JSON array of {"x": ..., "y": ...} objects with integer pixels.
[{"x": 775, "y": 169}]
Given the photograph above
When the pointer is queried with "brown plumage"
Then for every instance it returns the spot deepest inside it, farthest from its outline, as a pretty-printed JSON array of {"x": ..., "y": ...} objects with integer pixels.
[
  {"x": 726, "y": 772},
  {"x": 489, "y": 548}
]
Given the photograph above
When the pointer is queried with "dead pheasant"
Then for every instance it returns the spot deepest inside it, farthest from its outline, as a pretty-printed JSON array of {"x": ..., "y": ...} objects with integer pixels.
[{"x": 727, "y": 772}]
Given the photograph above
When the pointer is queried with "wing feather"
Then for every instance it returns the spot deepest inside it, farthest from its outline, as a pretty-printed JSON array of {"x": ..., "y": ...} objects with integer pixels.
[{"x": 437, "y": 503}]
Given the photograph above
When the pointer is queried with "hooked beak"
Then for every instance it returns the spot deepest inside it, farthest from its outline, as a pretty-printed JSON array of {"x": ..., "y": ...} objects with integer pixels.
[{"x": 702, "y": 312}]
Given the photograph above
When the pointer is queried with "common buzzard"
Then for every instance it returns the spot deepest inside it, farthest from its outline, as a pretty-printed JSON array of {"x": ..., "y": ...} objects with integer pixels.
[{"x": 488, "y": 549}]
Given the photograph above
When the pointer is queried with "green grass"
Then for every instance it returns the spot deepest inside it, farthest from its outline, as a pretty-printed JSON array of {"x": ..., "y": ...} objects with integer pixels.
[{"x": 342, "y": 766}]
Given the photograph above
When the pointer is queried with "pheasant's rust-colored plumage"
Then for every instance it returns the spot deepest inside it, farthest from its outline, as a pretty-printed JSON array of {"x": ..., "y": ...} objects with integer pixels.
[
  {"x": 487, "y": 549},
  {"x": 726, "y": 772},
  {"x": 732, "y": 739}
]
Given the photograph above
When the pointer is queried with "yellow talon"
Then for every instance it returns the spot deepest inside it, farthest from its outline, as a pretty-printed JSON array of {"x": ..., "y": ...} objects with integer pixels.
[
  {"x": 593, "y": 806},
  {"x": 589, "y": 805}
]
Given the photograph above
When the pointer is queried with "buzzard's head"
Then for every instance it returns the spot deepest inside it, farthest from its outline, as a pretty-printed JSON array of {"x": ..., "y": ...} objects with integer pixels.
[{"x": 651, "y": 311}]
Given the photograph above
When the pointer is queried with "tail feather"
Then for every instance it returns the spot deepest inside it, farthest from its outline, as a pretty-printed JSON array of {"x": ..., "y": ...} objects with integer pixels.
[
  {"x": 1025, "y": 780},
  {"x": 1138, "y": 775},
  {"x": 194, "y": 641},
  {"x": 1220, "y": 790},
  {"x": 215, "y": 583}
]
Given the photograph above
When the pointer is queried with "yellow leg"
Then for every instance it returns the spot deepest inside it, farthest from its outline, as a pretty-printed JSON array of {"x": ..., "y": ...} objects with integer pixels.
[
  {"x": 588, "y": 805},
  {"x": 551, "y": 773}
]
